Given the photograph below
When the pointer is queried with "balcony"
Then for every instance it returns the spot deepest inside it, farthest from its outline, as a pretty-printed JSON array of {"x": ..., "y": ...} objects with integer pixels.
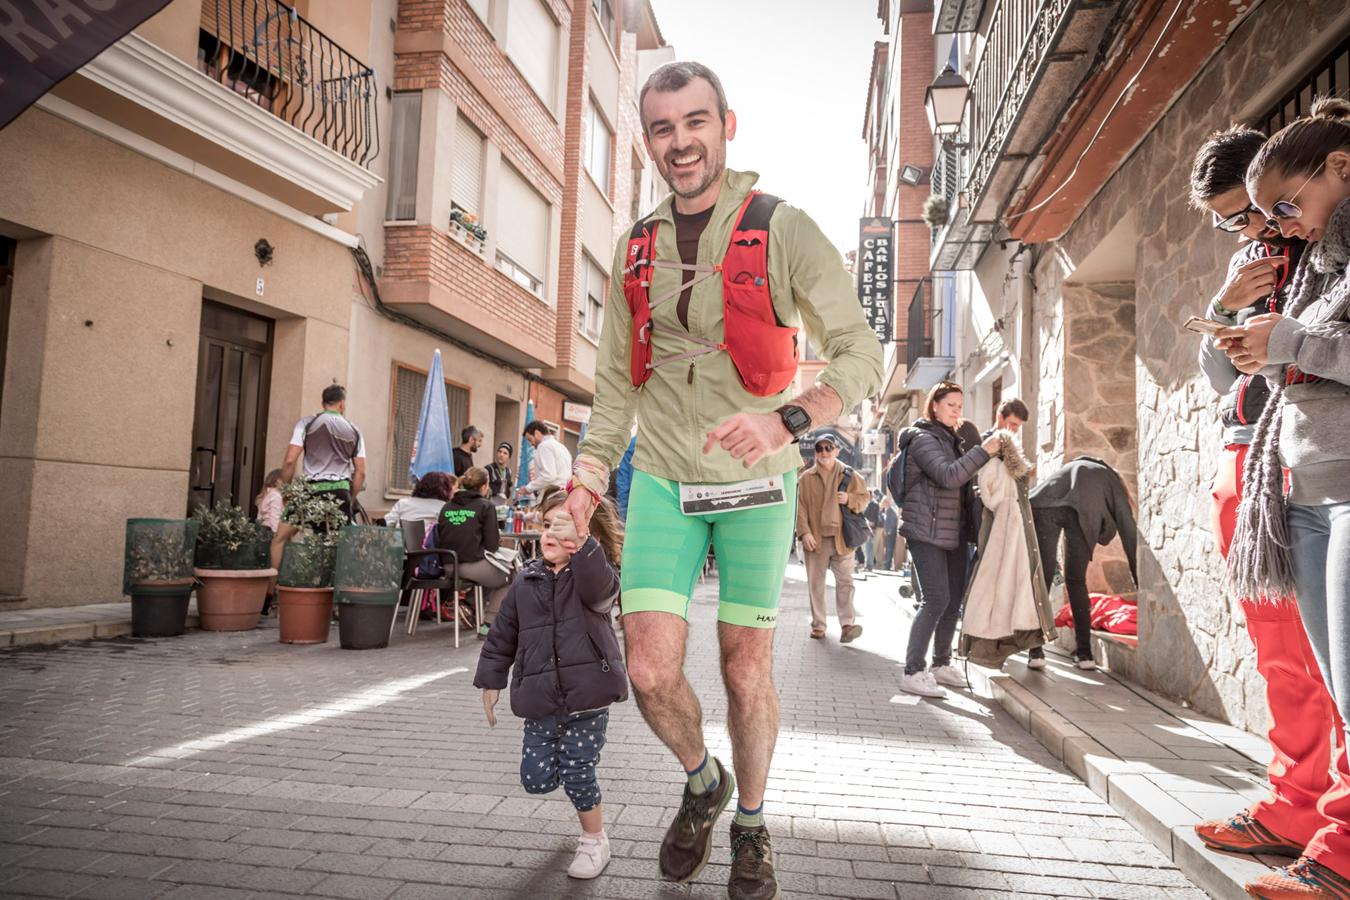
[
  {"x": 272, "y": 108},
  {"x": 1035, "y": 55},
  {"x": 925, "y": 321}
]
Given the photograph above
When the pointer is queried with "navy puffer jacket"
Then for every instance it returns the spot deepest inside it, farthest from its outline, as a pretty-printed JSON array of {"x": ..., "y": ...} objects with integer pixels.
[
  {"x": 930, "y": 485},
  {"x": 553, "y": 635}
]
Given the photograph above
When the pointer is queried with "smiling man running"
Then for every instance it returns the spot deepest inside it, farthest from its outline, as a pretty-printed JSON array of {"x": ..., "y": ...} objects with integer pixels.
[{"x": 700, "y": 344}]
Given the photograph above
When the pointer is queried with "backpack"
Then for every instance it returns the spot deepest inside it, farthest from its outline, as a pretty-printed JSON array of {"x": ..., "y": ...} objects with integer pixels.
[
  {"x": 431, "y": 567},
  {"x": 895, "y": 480},
  {"x": 853, "y": 528}
]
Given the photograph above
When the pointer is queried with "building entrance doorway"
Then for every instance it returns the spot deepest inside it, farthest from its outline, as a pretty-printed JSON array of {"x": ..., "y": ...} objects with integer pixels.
[{"x": 229, "y": 431}]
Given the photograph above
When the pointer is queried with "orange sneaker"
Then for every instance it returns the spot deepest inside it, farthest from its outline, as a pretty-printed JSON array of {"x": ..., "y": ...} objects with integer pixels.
[
  {"x": 1243, "y": 834},
  {"x": 1306, "y": 879}
]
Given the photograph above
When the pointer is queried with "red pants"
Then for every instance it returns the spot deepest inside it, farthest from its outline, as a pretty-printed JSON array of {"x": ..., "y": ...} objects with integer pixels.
[{"x": 1307, "y": 805}]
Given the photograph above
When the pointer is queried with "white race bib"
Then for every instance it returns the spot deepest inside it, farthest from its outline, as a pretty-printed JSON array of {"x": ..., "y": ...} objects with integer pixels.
[{"x": 706, "y": 499}]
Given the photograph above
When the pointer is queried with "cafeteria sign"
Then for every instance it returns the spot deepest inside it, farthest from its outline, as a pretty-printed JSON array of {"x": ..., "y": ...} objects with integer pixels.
[{"x": 875, "y": 243}]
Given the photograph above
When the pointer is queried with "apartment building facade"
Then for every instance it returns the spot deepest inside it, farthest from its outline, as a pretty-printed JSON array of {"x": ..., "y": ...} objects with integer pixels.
[
  {"x": 1075, "y": 257},
  {"x": 243, "y": 201}
]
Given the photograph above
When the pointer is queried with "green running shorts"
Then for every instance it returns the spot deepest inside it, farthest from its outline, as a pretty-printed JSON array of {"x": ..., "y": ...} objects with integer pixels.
[{"x": 664, "y": 551}]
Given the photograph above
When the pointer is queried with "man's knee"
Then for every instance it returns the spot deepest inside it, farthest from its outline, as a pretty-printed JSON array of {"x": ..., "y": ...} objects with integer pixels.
[
  {"x": 747, "y": 661},
  {"x": 655, "y": 651},
  {"x": 653, "y": 676}
]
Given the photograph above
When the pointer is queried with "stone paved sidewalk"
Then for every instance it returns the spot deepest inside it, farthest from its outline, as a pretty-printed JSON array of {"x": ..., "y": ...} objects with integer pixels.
[
  {"x": 230, "y": 766},
  {"x": 22, "y": 627}
]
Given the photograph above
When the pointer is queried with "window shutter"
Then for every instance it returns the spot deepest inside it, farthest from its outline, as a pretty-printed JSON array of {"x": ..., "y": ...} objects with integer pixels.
[
  {"x": 466, "y": 176},
  {"x": 598, "y": 141},
  {"x": 522, "y": 223},
  {"x": 532, "y": 44},
  {"x": 407, "y": 131}
]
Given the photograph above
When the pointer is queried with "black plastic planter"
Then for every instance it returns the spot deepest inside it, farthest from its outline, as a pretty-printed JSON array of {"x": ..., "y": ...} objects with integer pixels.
[
  {"x": 364, "y": 626},
  {"x": 159, "y": 610}
]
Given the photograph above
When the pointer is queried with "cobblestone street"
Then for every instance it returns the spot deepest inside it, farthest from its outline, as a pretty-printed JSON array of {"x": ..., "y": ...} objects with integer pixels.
[{"x": 229, "y": 765}]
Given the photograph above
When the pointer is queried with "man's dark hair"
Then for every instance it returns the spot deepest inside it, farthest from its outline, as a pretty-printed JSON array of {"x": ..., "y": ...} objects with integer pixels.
[
  {"x": 1014, "y": 407},
  {"x": 1221, "y": 163},
  {"x": 468, "y": 434},
  {"x": 334, "y": 394},
  {"x": 675, "y": 75},
  {"x": 538, "y": 426}
]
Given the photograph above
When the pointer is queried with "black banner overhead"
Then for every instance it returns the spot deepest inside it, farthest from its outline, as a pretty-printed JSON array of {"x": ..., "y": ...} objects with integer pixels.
[
  {"x": 43, "y": 41},
  {"x": 875, "y": 274}
]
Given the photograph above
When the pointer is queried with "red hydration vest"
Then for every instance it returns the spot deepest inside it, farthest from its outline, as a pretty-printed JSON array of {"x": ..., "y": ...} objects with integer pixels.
[{"x": 763, "y": 350}]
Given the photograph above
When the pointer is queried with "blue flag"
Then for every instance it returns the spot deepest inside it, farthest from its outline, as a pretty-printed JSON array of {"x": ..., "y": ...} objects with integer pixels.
[
  {"x": 433, "y": 448},
  {"x": 526, "y": 451}
]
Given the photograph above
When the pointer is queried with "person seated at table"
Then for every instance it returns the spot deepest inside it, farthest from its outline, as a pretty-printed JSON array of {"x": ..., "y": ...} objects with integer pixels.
[
  {"x": 467, "y": 524},
  {"x": 429, "y": 495}
]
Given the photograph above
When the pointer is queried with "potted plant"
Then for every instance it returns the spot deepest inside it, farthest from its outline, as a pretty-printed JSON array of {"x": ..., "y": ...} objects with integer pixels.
[
  {"x": 305, "y": 581},
  {"x": 157, "y": 574},
  {"x": 465, "y": 226},
  {"x": 366, "y": 584},
  {"x": 233, "y": 564}
]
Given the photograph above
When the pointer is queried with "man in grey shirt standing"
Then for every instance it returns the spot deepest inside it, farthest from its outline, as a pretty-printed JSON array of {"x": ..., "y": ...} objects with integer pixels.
[{"x": 334, "y": 454}]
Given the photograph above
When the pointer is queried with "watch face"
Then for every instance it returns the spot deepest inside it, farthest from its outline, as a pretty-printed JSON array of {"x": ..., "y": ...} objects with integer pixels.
[{"x": 796, "y": 420}]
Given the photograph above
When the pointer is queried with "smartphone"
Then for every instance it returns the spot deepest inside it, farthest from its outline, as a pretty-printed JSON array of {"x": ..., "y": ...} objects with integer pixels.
[{"x": 1202, "y": 326}]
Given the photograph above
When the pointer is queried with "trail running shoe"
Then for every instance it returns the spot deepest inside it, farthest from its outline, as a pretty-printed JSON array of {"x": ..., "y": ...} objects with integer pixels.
[
  {"x": 688, "y": 841},
  {"x": 752, "y": 876}
]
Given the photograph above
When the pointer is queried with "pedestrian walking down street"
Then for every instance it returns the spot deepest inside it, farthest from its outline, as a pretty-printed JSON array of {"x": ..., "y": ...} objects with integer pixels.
[
  {"x": 1300, "y": 715},
  {"x": 1086, "y": 502},
  {"x": 699, "y": 346},
  {"x": 470, "y": 439},
  {"x": 890, "y": 526},
  {"x": 1007, "y": 608},
  {"x": 334, "y": 461},
  {"x": 1300, "y": 543},
  {"x": 553, "y": 640},
  {"x": 872, "y": 515},
  {"x": 932, "y": 520},
  {"x": 821, "y": 492}
]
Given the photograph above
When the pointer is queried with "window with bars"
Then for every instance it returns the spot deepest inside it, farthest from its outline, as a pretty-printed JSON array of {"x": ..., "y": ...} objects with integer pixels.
[
  {"x": 401, "y": 204},
  {"x": 405, "y": 413},
  {"x": 1330, "y": 77}
]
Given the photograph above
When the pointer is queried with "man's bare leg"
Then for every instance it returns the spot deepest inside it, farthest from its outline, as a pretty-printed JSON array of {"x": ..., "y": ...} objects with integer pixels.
[
  {"x": 752, "y": 706},
  {"x": 655, "y": 643}
]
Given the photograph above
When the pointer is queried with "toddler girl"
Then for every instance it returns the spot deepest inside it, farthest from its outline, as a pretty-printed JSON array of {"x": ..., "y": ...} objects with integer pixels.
[{"x": 554, "y": 630}]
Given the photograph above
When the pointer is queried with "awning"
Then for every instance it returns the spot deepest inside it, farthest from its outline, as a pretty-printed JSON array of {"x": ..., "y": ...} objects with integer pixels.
[{"x": 928, "y": 371}]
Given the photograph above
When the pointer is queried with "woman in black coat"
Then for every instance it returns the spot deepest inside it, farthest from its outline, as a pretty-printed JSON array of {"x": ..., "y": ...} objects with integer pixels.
[{"x": 928, "y": 486}]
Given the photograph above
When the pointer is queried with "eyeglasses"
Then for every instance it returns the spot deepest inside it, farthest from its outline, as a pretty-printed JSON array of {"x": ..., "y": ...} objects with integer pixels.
[
  {"x": 824, "y": 448},
  {"x": 1237, "y": 221},
  {"x": 1288, "y": 209}
]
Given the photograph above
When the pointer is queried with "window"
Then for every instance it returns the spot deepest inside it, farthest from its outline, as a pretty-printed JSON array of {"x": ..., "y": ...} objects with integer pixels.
[
  {"x": 598, "y": 141},
  {"x": 1330, "y": 77},
  {"x": 521, "y": 225},
  {"x": 591, "y": 313},
  {"x": 532, "y": 44},
  {"x": 407, "y": 132},
  {"x": 604, "y": 11},
  {"x": 466, "y": 178},
  {"x": 246, "y": 77},
  {"x": 406, "y": 411}
]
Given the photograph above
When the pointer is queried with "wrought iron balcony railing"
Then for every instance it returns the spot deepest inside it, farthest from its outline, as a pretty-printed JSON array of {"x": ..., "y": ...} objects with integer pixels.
[
  {"x": 265, "y": 51},
  {"x": 921, "y": 324}
]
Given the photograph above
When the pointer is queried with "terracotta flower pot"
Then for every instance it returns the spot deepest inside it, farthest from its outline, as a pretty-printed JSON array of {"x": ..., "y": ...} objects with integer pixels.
[
  {"x": 306, "y": 614},
  {"x": 231, "y": 599}
]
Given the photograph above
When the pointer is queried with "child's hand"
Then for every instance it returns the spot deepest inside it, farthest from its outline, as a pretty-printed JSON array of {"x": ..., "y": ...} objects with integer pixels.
[{"x": 489, "y": 701}]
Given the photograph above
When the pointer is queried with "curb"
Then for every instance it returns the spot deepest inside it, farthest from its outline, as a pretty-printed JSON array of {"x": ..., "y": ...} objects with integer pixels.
[
  {"x": 1148, "y": 808},
  {"x": 80, "y": 631}
]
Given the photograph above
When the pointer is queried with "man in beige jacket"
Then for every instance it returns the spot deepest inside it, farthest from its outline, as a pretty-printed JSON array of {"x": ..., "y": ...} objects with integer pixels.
[{"x": 820, "y": 491}]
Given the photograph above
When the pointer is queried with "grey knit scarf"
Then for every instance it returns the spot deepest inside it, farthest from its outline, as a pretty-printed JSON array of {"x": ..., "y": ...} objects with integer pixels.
[{"x": 1259, "y": 562}]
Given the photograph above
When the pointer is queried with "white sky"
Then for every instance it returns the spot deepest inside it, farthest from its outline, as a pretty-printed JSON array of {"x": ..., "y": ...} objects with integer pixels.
[{"x": 795, "y": 72}]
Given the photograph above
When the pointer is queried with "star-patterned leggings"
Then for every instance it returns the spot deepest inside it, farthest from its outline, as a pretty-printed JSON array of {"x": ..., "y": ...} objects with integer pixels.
[{"x": 564, "y": 750}]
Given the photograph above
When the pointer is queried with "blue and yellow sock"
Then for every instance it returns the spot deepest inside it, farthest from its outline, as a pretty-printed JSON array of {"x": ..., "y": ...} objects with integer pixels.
[
  {"x": 749, "y": 818},
  {"x": 705, "y": 777}
]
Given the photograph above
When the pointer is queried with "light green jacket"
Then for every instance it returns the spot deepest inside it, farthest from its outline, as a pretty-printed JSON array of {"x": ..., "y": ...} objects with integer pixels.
[{"x": 809, "y": 286}]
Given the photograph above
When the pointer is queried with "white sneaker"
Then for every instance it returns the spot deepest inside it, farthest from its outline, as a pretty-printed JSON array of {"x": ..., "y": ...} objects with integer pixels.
[
  {"x": 923, "y": 684},
  {"x": 1036, "y": 662},
  {"x": 1087, "y": 664},
  {"x": 592, "y": 856},
  {"x": 949, "y": 676}
]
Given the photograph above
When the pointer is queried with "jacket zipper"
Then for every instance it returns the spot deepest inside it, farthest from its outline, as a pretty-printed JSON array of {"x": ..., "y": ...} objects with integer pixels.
[{"x": 604, "y": 663}]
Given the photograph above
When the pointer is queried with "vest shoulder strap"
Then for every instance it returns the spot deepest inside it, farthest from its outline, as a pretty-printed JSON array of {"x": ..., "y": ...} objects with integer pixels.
[
  {"x": 758, "y": 212},
  {"x": 641, "y": 225}
]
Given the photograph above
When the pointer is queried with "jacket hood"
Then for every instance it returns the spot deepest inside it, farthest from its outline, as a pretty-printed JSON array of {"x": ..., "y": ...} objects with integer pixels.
[
  {"x": 1013, "y": 458},
  {"x": 1332, "y": 252}
]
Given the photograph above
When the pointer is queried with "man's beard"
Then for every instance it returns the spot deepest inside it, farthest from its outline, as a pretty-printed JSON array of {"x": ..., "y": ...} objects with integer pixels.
[{"x": 714, "y": 166}]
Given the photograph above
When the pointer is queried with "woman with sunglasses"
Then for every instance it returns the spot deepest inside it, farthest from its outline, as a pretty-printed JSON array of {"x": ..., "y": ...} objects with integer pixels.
[
  {"x": 1299, "y": 543},
  {"x": 930, "y": 482}
]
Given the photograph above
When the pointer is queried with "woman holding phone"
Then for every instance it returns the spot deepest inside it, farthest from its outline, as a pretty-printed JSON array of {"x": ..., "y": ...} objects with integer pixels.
[{"x": 1299, "y": 543}]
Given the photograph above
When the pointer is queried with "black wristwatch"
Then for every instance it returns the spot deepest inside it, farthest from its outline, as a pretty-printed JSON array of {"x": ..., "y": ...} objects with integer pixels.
[{"x": 795, "y": 420}]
